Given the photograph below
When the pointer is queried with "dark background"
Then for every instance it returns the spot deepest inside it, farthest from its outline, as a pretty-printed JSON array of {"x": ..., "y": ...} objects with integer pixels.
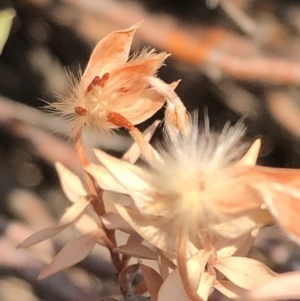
[{"x": 49, "y": 37}]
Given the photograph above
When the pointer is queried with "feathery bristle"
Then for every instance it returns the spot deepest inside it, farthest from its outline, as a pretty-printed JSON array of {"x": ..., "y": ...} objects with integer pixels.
[{"x": 194, "y": 169}]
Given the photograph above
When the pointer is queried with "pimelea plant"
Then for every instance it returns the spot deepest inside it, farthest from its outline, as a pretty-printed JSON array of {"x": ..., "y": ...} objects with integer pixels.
[{"x": 194, "y": 211}]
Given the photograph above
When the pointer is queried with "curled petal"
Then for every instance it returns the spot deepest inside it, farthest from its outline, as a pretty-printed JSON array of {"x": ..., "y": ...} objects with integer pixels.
[
  {"x": 143, "y": 107},
  {"x": 126, "y": 84},
  {"x": 110, "y": 52}
]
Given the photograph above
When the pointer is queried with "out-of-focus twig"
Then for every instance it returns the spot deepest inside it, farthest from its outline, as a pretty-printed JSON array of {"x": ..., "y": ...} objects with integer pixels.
[{"x": 191, "y": 45}]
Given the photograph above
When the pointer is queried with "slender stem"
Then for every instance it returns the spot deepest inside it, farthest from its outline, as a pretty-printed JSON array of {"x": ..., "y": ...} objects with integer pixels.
[{"x": 97, "y": 202}]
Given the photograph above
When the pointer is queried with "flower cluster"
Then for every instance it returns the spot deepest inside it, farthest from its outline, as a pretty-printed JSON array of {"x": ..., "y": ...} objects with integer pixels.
[{"x": 194, "y": 211}]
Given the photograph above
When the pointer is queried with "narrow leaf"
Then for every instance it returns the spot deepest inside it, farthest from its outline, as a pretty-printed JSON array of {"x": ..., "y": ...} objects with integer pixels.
[
  {"x": 67, "y": 219},
  {"x": 136, "y": 250},
  {"x": 71, "y": 185},
  {"x": 72, "y": 253}
]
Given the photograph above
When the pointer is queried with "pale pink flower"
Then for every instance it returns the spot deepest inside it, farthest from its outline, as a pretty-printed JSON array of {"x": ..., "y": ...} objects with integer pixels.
[{"x": 112, "y": 91}]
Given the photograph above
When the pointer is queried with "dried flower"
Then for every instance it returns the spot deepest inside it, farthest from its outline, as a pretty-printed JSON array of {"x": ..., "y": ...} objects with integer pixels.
[
  {"x": 113, "y": 91},
  {"x": 197, "y": 186}
]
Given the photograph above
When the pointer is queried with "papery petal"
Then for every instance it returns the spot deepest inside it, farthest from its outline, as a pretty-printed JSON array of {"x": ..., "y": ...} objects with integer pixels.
[
  {"x": 114, "y": 221},
  {"x": 150, "y": 228},
  {"x": 229, "y": 289},
  {"x": 134, "y": 151},
  {"x": 251, "y": 156},
  {"x": 283, "y": 201},
  {"x": 71, "y": 185},
  {"x": 237, "y": 195},
  {"x": 283, "y": 287},
  {"x": 128, "y": 175},
  {"x": 238, "y": 226},
  {"x": 242, "y": 271},
  {"x": 153, "y": 281},
  {"x": 110, "y": 52},
  {"x": 72, "y": 253},
  {"x": 104, "y": 178},
  {"x": 144, "y": 107},
  {"x": 136, "y": 250},
  {"x": 126, "y": 84},
  {"x": 109, "y": 198},
  {"x": 172, "y": 289},
  {"x": 67, "y": 219}
]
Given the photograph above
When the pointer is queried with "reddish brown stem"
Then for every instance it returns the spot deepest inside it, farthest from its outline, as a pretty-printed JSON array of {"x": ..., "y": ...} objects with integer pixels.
[{"x": 97, "y": 202}]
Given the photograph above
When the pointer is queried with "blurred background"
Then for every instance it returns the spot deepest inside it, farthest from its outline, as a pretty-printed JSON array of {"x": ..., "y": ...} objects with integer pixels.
[{"x": 237, "y": 59}]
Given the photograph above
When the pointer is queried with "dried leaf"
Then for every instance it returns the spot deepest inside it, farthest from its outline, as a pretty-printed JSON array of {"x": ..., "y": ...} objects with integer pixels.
[
  {"x": 104, "y": 178},
  {"x": 244, "y": 272},
  {"x": 153, "y": 281},
  {"x": 71, "y": 185},
  {"x": 136, "y": 250},
  {"x": 151, "y": 229},
  {"x": 128, "y": 175},
  {"x": 67, "y": 219},
  {"x": 72, "y": 253},
  {"x": 113, "y": 221}
]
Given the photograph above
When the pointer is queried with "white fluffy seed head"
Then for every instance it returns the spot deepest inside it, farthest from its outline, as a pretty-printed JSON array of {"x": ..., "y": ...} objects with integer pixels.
[{"x": 194, "y": 172}]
